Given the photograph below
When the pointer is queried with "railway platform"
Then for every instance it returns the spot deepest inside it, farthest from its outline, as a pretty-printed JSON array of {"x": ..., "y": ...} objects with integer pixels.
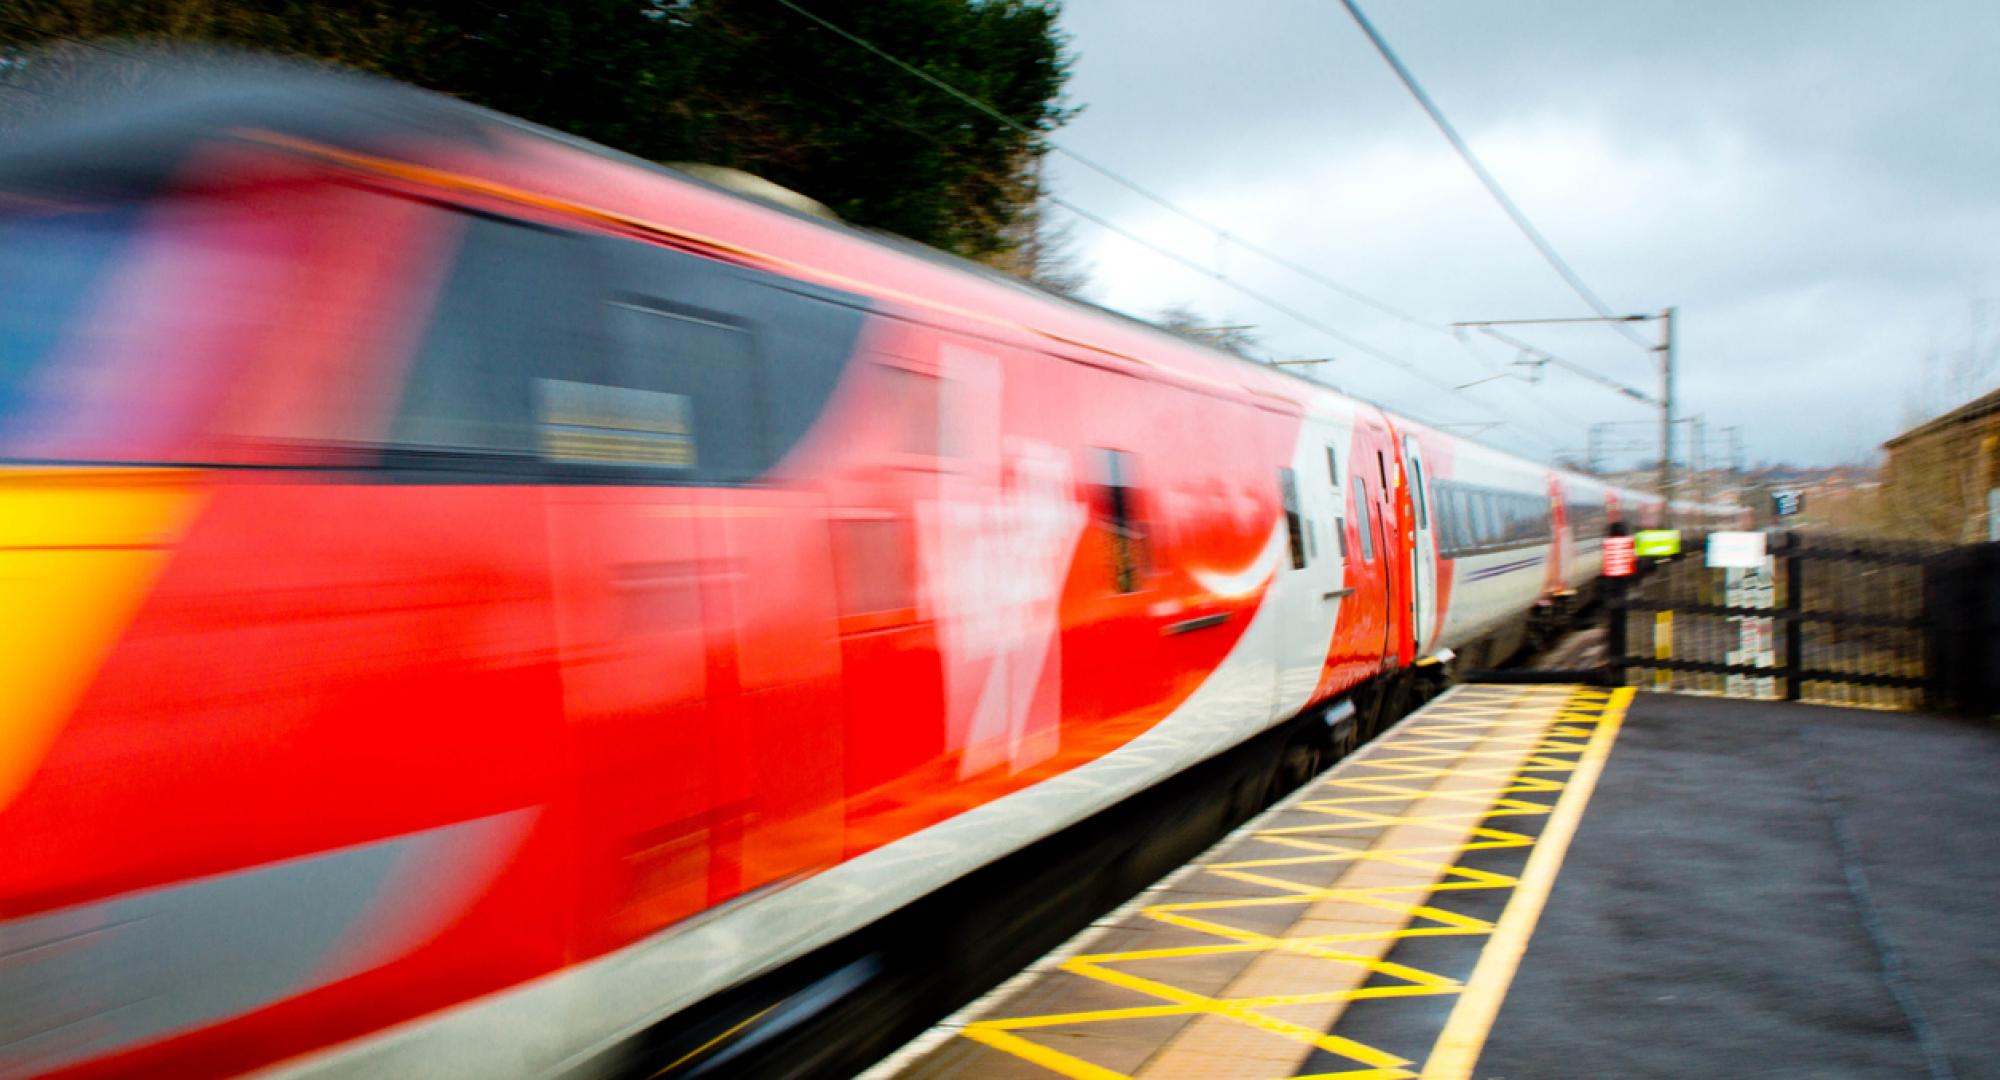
[{"x": 1553, "y": 881}]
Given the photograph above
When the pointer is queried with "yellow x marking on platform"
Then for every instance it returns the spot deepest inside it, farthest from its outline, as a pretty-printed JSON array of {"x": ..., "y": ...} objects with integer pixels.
[{"x": 1520, "y": 742}]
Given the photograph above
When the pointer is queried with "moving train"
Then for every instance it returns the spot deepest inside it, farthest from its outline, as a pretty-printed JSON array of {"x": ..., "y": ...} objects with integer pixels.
[{"x": 472, "y": 595}]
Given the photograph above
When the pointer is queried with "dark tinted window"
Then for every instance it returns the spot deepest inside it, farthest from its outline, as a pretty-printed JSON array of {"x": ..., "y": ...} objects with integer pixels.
[
  {"x": 515, "y": 310},
  {"x": 1288, "y": 492},
  {"x": 1115, "y": 506},
  {"x": 755, "y": 355},
  {"x": 600, "y": 359},
  {"x": 1473, "y": 519},
  {"x": 694, "y": 369},
  {"x": 1422, "y": 496},
  {"x": 1361, "y": 523}
]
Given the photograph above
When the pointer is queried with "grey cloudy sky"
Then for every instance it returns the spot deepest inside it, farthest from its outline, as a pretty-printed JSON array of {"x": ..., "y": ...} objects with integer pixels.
[{"x": 1815, "y": 185}]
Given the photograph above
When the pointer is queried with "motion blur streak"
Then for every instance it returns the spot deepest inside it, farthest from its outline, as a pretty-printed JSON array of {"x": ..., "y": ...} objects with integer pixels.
[
  {"x": 161, "y": 960},
  {"x": 78, "y": 551}
]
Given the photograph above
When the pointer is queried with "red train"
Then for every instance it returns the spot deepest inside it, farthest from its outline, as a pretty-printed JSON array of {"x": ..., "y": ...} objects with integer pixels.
[{"x": 472, "y": 595}]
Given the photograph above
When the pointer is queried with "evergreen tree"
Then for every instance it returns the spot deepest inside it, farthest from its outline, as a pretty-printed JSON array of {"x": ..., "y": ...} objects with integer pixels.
[{"x": 758, "y": 85}]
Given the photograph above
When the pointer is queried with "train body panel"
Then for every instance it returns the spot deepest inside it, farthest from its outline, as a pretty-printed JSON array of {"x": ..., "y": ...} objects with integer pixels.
[{"x": 492, "y": 595}]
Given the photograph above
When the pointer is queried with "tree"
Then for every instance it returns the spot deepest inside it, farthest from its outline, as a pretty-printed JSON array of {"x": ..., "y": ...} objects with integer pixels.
[
  {"x": 1039, "y": 250},
  {"x": 751, "y": 84},
  {"x": 1948, "y": 378},
  {"x": 1184, "y": 321}
]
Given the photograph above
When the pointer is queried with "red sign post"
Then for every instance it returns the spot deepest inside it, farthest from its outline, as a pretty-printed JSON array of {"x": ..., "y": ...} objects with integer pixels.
[{"x": 1619, "y": 558}]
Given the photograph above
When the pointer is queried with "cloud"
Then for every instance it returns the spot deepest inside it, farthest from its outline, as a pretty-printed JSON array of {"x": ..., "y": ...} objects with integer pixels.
[{"x": 1809, "y": 184}]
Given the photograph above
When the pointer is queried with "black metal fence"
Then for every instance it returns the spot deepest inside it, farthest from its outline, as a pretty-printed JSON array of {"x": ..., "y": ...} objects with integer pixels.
[{"x": 1838, "y": 621}]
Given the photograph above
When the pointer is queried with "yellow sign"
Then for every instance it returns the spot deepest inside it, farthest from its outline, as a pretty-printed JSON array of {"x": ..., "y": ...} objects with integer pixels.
[{"x": 1657, "y": 542}]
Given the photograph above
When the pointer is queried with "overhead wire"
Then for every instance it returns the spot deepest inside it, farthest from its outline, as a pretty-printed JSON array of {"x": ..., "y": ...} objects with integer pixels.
[
  {"x": 1544, "y": 356},
  {"x": 1115, "y": 177},
  {"x": 1535, "y": 400},
  {"x": 1296, "y": 315},
  {"x": 1486, "y": 179}
]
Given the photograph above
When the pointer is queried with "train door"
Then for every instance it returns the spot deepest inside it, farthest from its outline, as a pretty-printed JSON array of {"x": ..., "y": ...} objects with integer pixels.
[
  {"x": 1562, "y": 544},
  {"x": 1371, "y": 557},
  {"x": 1423, "y": 553},
  {"x": 1310, "y": 575},
  {"x": 1387, "y": 516},
  {"x": 694, "y": 586}
]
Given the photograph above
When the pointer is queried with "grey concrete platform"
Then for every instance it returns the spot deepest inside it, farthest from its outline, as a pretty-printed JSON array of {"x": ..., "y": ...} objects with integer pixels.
[{"x": 1771, "y": 890}]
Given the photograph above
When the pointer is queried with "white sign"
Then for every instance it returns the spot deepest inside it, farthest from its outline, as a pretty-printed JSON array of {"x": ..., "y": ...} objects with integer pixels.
[
  {"x": 1741, "y": 549},
  {"x": 1752, "y": 587}
]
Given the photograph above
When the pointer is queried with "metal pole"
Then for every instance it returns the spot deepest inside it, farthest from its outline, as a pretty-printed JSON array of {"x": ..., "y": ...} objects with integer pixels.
[
  {"x": 1795, "y": 605},
  {"x": 1614, "y": 629},
  {"x": 1666, "y": 351},
  {"x": 1698, "y": 456}
]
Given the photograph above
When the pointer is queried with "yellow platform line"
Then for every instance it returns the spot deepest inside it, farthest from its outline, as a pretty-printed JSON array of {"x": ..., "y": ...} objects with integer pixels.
[
  {"x": 1464, "y": 1036},
  {"x": 1437, "y": 746}
]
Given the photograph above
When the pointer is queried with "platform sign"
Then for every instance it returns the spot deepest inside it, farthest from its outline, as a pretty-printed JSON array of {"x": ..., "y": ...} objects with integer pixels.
[
  {"x": 1619, "y": 558},
  {"x": 1752, "y": 587},
  {"x": 1787, "y": 503},
  {"x": 1737, "y": 549},
  {"x": 1657, "y": 543}
]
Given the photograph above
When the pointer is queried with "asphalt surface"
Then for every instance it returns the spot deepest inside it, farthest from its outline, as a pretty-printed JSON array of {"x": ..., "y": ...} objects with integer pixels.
[{"x": 1771, "y": 890}]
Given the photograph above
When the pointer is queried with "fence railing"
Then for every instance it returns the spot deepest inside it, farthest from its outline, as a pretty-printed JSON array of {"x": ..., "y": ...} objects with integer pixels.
[{"x": 1842, "y": 621}]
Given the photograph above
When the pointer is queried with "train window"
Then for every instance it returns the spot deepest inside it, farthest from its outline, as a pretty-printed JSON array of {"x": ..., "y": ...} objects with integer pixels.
[
  {"x": 1447, "y": 539},
  {"x": 596, "y": 357},
  {"x": 1417, "y": 490},
  {"x": 510, "y": 313},
  {"x": 700, "y": 362},
  {"x": 1288, "y": 492},
  {"x": 1332, "y": 468},
  {"x": 1361, "y": 524},
  {"x": 1115, "y": 505},
  {"x": 752, "y": 357},
  {"x": 1340, "y": 534}
]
